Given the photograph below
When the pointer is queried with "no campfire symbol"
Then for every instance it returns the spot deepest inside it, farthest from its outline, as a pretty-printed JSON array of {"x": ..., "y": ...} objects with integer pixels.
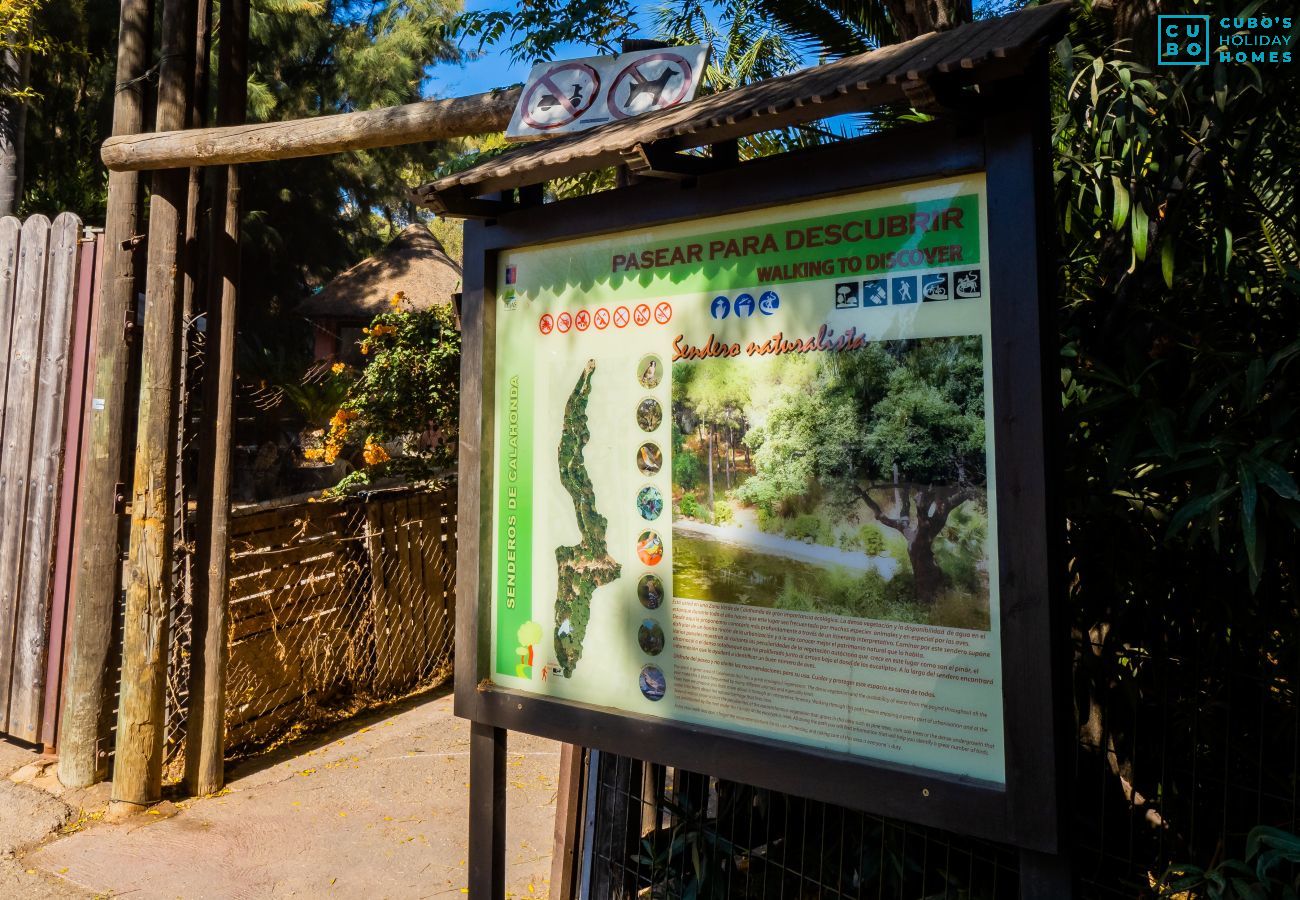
[
  {"x": 652, "y": 82},
  {"x": 560, "y": 95}
]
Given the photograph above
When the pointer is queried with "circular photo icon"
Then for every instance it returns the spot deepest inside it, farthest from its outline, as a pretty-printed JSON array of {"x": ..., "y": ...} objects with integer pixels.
[
  {"x": 650, "y": 591},
  {"x": 650, "y": 548},
  {"x": 649, "y": 458},
  {"x": 649, "y": 414},
  {"x": 653, "y": 682},
  {"x": 650, "y": 503},
  {"x": 649, "y": 371},
  {"x": 651, "y": 637}
]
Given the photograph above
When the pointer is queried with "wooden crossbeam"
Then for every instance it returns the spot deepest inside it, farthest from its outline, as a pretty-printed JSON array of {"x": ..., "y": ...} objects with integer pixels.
[{"x": 412, "y": 123}]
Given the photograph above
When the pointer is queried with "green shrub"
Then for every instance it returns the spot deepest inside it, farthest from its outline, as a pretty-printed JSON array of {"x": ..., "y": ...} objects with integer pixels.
[
  {"x": 722, "y": 512},
  {"x": 806, "y": 528},
  {"x": 689, "y": 506},
  {"x": 873, "y": 542},
  {"x": 687, "y": 469}
]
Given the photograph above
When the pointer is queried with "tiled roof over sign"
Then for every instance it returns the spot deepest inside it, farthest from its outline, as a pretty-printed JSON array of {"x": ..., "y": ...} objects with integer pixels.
[{"x": 970, "y": 54}]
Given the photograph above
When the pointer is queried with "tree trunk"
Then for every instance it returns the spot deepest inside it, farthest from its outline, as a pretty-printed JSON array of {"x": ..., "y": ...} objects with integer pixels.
[
  {"x": 141, "y": 725},
  {"x": 10, "y": 140},
  {"x": 913, "y": 18},
  {"x": 921, "y": 516},
  {"x": 927, "y": 576},
  {"x": 709, "y": 448}
]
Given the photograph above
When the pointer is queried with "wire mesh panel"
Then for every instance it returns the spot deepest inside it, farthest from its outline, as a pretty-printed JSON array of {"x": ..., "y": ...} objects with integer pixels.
[
  {"x": 1179, "y": 760},
  {"x": 335, "y": 606},
  {"x": 184, "y": 525},
  {"x": 665, "y": 833}
]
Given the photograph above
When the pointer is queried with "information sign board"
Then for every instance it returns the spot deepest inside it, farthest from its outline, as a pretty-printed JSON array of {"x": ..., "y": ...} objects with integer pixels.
[
  {"x": 754, "y": 481},
  {"x": 764, "y": 504}
]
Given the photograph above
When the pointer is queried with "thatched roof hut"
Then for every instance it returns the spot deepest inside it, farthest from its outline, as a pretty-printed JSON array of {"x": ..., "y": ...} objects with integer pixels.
[{"x": 414, "y": 263}]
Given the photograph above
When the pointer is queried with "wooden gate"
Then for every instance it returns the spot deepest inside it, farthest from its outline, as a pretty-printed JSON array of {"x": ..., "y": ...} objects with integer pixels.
[{"x": 38, "y": 279}]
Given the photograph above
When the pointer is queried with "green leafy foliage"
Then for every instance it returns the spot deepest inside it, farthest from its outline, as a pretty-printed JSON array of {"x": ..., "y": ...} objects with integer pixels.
[
  {"x": 410, "y": 387},
  {"x": 690, "y": 506},
  {"x": 534, "y": 31},
  {"x": 1270, "y": 871},
  {"x": 1177, "y": 216},
  {"x": 308, "y": 219},
  {"x": 73, "y": 77},
  {"x": 871, "y": 540}
]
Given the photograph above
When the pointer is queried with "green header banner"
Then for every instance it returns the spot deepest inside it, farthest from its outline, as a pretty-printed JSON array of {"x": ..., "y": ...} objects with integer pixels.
[{"x": 902, "y": 237}]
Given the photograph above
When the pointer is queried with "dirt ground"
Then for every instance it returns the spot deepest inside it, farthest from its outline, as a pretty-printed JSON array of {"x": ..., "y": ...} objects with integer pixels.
[{"x": 376, "y": 808}]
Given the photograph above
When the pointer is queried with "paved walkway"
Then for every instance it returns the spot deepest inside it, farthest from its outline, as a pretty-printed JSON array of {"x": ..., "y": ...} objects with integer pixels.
[
  {"x": 377, "y": 808},
  {"x": 27, "y": 816}
]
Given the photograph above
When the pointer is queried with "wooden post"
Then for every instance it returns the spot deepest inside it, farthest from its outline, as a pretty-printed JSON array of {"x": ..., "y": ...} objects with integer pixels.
[
  {"x": 206, "y": 732},
  {"x": 95, "y": 582},
  {"x": 568, "y": 818},
  {"x": 141, "y": 721},
  {"x": 487, "y": 812}
]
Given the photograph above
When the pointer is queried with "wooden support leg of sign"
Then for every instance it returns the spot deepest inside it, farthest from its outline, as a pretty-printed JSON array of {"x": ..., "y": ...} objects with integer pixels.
[
  {"x": 487, "y": 812},
  {"x": 1019, "y": 191},
  {"x": 568, "y": 818}
]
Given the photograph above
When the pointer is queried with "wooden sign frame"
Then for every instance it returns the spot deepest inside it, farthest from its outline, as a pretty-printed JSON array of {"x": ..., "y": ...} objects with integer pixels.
[{"x": 1006, "y": 139}]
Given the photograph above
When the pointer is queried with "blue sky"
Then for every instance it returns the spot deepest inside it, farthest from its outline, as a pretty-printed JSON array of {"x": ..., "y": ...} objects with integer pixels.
[{"x": 495, "y": 69}]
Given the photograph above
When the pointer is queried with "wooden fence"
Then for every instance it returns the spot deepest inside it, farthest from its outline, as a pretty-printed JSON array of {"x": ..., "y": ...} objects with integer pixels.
[
  {"x": 332, "y": 603},
  {"x": 38, "y": 283}
]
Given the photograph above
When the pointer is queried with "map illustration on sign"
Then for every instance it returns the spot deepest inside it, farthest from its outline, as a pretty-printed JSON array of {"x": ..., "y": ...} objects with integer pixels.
[
  {"x": 572, "y": 95},
  {"x": 588, "y": 565}
]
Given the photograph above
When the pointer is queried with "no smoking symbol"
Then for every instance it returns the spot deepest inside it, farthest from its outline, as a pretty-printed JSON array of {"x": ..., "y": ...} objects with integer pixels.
[
  {"x": 545, "y": 324},
  {"x": 663, "y": 312},
  {"x": 582, "y": 320},
  {"x": 563, "y": 321},
  {"x": 621, "y": 316},
  {"x": 601, "y": 318},
  {"x": 641, "y": 314}
]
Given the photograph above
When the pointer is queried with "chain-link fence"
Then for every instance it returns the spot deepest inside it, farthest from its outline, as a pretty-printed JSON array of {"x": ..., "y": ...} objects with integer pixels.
[{"x": 336, "y": 605}]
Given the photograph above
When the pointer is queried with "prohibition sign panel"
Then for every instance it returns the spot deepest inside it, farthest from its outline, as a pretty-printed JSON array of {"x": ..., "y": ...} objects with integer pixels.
[
  {"x": 560, "y": 95},
  {"x": 650, "y": 83},
  {"x": 572, "y": 95}
]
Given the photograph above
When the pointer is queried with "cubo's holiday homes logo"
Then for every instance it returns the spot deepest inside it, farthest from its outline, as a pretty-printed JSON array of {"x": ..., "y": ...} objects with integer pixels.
[{"x": 1186, "y": 40}]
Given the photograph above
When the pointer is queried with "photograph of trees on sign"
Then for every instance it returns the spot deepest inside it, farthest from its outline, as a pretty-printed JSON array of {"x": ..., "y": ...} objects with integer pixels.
[{"x": 851, "y": 483}]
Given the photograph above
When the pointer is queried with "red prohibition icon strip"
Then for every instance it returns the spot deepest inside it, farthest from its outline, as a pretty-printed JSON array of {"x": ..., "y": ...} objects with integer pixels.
[
  {"x": 563, "y": 322},
  {"x": 641, "y": 314},
  {"x": 601, "y": 318},
  {"x": 621, "y": 315},
  {"x": 663, "y": 312},
  {"x": 582, "y": 320},
  {"x": 545, "y": 323}
]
